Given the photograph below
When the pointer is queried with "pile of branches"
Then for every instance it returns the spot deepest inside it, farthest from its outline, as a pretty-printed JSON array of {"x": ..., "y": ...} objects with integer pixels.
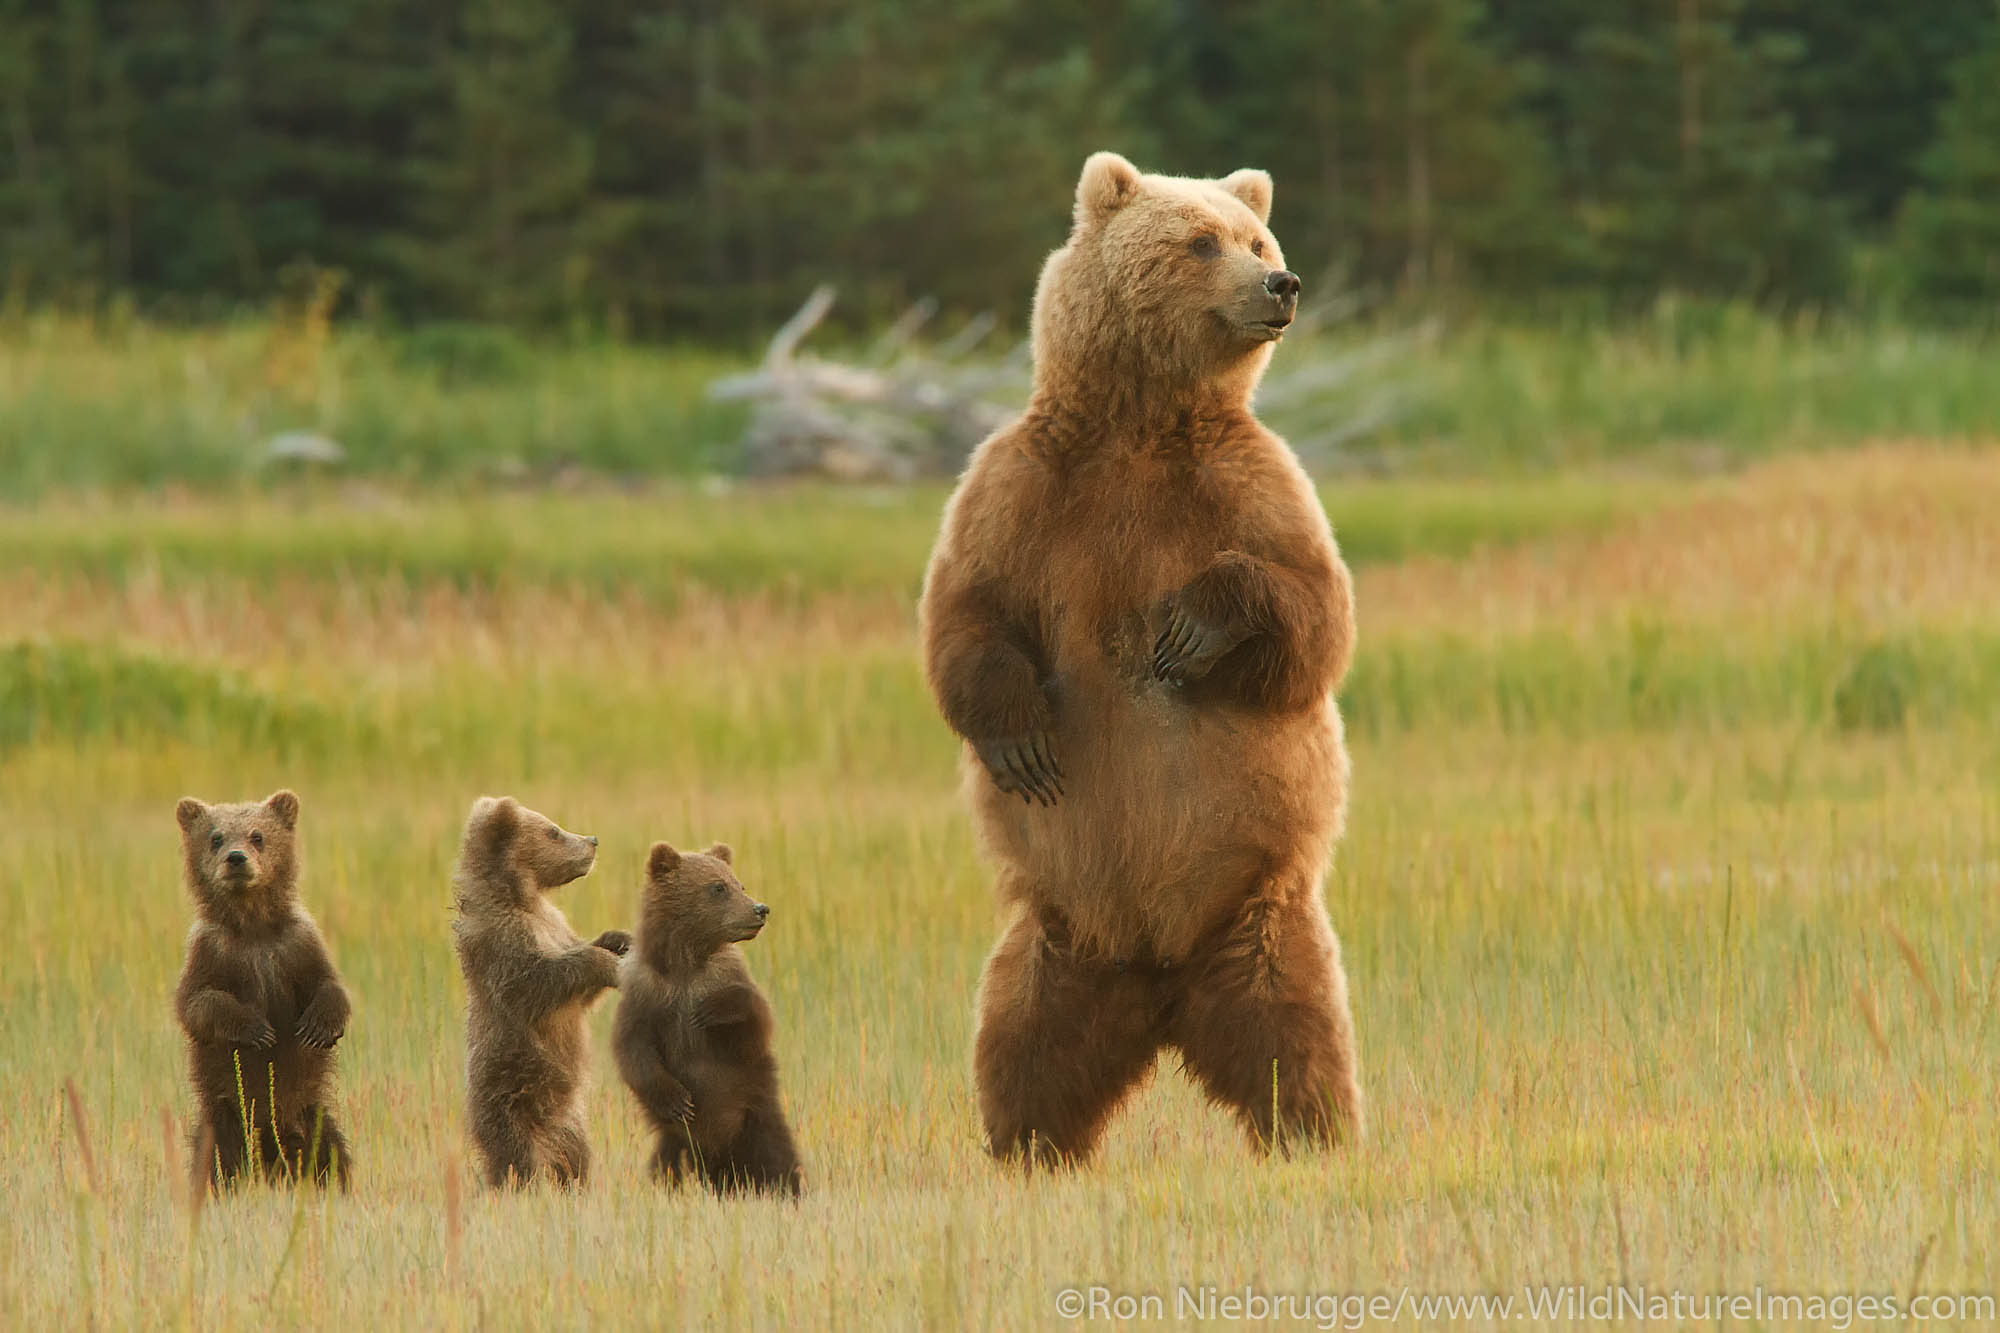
[
  {"x": 903, "y": 412},
  {"x": 907, "y": 410}
]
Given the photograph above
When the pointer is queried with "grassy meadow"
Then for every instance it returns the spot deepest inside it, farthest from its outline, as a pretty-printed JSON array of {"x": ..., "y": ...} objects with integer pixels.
[
  {"x": 1671, "y": 900},
  {"x": 115, "y": 402}
]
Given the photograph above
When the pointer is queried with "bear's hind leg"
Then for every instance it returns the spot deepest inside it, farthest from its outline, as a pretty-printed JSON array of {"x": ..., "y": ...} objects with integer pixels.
[
  {"x": 672, "y": 1157},
  {"x": 334, "y": 1159},
  {"x": 763, "y": 1157},
  {"x": 1261, "y": 1020},
  {"x": 222, "y": 1154},
  {"x": 1062, "y": 1039},
  {"x": 568, "y": 1154},
  {"x": 505, "y": 1145}
]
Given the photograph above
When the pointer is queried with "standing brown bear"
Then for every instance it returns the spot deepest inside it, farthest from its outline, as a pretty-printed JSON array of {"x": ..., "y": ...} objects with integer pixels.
[
  {"x": 530, "y": 981},
  {"x": 258, "y": 998},
  {"x": 693, "y": 1033},
  {"x": 1135, "y": 617}
]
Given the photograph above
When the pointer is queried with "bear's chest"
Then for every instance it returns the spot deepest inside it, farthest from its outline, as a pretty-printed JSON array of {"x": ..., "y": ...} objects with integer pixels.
[
  {"x": 1117, "y": 555},
  {"x": 259, "y": 976}
]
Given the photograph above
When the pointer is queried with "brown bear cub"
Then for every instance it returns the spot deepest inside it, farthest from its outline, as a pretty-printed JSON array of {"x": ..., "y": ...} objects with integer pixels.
[
  {"x": 693, "y": 1033},
  {"x": 530, "y": 980},
  {"x": 259, "y": 999}
]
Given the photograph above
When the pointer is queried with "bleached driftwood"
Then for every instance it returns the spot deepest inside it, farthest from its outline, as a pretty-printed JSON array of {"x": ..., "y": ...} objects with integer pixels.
[
  {"x": 902, "y": 416},
  {"x": 908, "y": 411}
]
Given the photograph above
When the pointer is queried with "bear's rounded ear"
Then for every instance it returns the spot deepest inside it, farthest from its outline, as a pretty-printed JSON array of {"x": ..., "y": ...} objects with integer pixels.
[
  {"x": 285, "y": 805},
  {"x": 1253, "y": 187},
  {"x": 722, "y": 852},
  {"x": 188, "y": 811},
  {"x": 493, "y": 819},
  {"x": 1108, "y": 183},
  {"x": 662, "y": 859}
]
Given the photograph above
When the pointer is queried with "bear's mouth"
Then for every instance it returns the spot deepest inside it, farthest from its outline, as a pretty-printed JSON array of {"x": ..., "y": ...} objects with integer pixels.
[{"x": 1268, "y": 330}]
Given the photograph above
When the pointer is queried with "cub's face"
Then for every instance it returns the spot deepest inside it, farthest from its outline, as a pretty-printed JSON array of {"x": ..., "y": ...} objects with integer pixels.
[
  {"x": 518, "y": 842},
  {"x": 698, "y": 896},
  {"x": 241, "y": 854},
  {"x": 1183, "y": 272}
]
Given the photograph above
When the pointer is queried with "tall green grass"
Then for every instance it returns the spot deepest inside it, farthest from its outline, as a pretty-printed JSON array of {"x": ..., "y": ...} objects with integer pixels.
[
  {"x": 1703, "y": 385},
  {"x": 121, "y": 404},
  {"x": 1672, "y": 933}
]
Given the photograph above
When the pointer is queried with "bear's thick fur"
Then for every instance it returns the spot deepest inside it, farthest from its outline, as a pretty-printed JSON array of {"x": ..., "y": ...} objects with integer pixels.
[
  {"x": 258, "y": 998},
  {"x": 1135, "y": 617},
  {"x": 529, "y": 981},
  {"x": 693, "y": 1032}
]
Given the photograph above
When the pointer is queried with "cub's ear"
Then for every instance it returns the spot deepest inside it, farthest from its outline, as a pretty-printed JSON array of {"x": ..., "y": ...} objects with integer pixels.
[
  {"x": 722, "y": 852},
  {"x": 285, "y": 805},
  {"x": 1253, "y": 187},
  {"x": 493, "y": 820},
  {"x": 662, "y": 860},
  {"x": 188, "y": 811},
  {"x": 1108, "y": 183}
]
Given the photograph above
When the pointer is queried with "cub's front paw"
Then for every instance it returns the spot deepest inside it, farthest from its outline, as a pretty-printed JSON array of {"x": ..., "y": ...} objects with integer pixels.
[
  {"x": 683, "y": 1109},
  {"x": 1190, "y": 646},
  {"x": 1024, "y": 766},
  {"x": 258, "y": 1033},
  {"x": 320, "y": 1026},
  {"x": 614, "y": 941}
]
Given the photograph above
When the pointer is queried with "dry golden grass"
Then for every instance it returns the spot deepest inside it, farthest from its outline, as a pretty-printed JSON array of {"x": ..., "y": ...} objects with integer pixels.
[{"x": 1644, "y": 997}]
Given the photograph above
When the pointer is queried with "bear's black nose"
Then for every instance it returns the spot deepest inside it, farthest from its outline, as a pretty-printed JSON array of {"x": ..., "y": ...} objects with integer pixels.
[
  {"x": 239, "y": 857},
  {"x": 593, "y": 840},
  {"x": 1282, "y": 283},
  {"x": 762, "y": 910}
]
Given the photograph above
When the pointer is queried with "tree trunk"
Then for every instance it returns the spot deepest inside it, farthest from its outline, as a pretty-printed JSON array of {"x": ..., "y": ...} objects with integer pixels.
[{"x": 1416, "y": 273}]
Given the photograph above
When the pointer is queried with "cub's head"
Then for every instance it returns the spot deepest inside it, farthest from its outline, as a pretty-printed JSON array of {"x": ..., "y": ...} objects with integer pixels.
[
  {"x": 1164, "y": 278},
  {"x": 242, "y": 859},
  {"x": 510, "y": 851},
  {"x": 694, "y": 903}
]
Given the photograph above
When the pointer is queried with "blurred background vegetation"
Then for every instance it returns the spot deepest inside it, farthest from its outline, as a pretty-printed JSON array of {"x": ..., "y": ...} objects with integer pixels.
[
  {"x": 518, "y": 241},
  {"x": 691, "y": 169}
]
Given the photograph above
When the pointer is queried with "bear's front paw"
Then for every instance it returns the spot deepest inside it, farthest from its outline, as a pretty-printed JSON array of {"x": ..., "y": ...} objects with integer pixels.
[
  {"x": 614, "y": 941},
  {"x": 258, "y": 1033},
  {"x": 1190, "y": 646},
  {"x": 1024, "y": 766},
  {"x": 683, "y": 1109},
  {"x": 320, "y": 1026}
]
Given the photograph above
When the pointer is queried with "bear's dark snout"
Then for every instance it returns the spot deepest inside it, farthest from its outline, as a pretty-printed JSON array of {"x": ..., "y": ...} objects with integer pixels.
[
  {"x": 239, "y": 857},
  {"x": 593, "y": 840},
  {"x": 1283, "y": 284},
  {"x": 762, "y": 910}
]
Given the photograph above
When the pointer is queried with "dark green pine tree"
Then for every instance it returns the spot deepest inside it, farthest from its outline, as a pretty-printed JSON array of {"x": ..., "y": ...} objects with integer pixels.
[
  {"x": 502, "y": 175},
  {"x": 1870, "y": 83},
  {"x": 1950, "y": 235},
  {"x": 1679, "y": 163}
]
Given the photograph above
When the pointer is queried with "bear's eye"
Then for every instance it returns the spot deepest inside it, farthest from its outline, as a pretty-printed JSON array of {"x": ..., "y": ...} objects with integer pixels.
[
  {"x": 256, "y": 840},
  {"x": 718, "y": 888},
  {"x": 1205, "y": 246},
  {"x": 555, "y": 834},
  {"x": 215, "y": 842},
  {"x": 1257, "y": 248}
]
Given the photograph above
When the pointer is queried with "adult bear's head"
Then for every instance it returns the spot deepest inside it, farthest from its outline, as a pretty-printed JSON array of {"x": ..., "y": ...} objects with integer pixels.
[{"x": 1168, "y": 288}]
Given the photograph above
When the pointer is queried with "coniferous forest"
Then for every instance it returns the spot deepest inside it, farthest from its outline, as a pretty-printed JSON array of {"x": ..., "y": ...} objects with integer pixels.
[{"x": 689, "y": 169}]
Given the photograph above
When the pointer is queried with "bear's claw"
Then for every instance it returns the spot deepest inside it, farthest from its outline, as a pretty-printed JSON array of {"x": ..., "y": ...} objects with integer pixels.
[
  {"x": 1188, "y": 648},
  {"x": 1024, "y": 766}
]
